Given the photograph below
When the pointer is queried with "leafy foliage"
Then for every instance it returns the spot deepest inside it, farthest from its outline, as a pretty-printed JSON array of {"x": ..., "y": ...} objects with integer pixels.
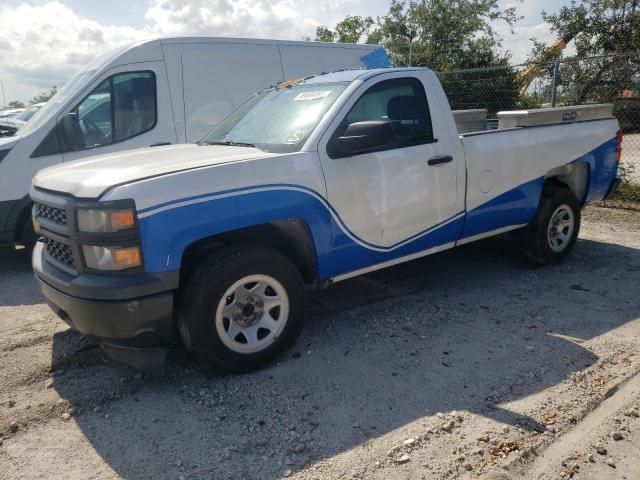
[
  {"x": 353, "y": 29},
  {"x": 605, "y": 29},
  {"x": 15, "y": 104},
  {"x": 493, "y": 89},
  {"x": 440, "y": 34},
  {"x": 444, "y": 35},
  {"x": 44, "y": 96}
]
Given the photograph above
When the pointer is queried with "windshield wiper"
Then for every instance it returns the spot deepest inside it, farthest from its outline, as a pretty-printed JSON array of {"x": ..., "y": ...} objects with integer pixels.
[{"x": 230, "y": 143}]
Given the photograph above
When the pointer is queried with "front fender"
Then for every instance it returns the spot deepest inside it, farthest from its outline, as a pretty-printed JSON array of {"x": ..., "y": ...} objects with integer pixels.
[{"x": 168, "y": 230}]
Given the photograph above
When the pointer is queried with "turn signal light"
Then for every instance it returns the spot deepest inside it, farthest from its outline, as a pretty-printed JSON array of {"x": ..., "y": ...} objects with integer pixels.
[
  {"x": 122, "y": 219},
  {"x": 94, "y": 220},
  {"x": 111, "y": 258},
  {"x": 128, "y": 257}
]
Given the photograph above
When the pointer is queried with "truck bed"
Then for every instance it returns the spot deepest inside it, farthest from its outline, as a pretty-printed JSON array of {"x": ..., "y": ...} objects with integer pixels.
[
  {"x": 512, "y": 164},
  {"x": 476, "y": 120}
]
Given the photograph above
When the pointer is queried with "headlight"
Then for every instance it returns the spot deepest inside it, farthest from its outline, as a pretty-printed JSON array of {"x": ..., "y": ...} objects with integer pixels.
[
  {"x": 111, "y": 258},
  {"x": 105, "y": 220}
]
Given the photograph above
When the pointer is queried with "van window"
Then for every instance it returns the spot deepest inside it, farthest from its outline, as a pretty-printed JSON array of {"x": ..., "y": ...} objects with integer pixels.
[
  {"x": 134, "y": 104},
  {"x": 94, "y": 115},
  {"x": 120, "y": 108}
]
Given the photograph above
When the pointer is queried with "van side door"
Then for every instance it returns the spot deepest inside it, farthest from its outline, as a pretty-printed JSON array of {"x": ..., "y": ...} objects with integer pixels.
[
  {"x": 398, "y": 198},
  {"x": 127, "y": 107}
]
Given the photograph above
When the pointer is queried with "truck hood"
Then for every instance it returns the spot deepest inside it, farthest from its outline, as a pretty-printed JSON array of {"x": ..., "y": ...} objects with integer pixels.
[{"x": 90, "y": 178}]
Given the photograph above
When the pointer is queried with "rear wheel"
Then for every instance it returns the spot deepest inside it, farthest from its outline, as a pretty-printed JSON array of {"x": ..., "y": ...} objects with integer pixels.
[
  {"x": 554, "y": 230},
  {"x": 241, "y": 307}
]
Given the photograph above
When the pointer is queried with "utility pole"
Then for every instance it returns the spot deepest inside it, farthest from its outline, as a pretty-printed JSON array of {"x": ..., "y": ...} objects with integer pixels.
[
  {"x": 4, "y": 99},
  {"x": 412, "y": 35},
  {"x": 554, "y": 86}
]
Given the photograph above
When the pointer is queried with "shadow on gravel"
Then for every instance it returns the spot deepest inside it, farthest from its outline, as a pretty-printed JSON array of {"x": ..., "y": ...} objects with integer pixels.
[
  {"x": 464, "y": 330},
  {"x": 17, "y": 285}
]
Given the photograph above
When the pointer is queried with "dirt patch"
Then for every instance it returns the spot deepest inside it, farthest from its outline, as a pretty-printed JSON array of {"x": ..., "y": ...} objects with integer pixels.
[{"x": 465, "y": 364}]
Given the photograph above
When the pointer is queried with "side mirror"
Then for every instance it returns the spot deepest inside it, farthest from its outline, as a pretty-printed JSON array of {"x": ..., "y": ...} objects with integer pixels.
[
  {"x": 361, "y": 137},
  {"x": 71, "y": 131}
]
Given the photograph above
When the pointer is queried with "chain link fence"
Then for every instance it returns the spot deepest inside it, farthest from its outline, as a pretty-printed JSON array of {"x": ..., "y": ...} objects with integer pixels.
[{"x": 575, "y": 81}]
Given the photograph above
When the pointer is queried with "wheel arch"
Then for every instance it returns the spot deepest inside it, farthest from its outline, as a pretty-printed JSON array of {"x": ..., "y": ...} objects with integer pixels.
[
  {"x": 574, "y": 176},
  {"x": 20, "y": 214},
  {"x": 291, "y": 237}
]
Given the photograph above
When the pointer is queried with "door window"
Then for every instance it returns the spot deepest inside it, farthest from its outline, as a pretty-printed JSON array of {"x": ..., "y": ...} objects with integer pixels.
[
  {"x": 402, "y": 103},
  {"x": 94, "y": 116},
  {"x": 120, "y": 108}
]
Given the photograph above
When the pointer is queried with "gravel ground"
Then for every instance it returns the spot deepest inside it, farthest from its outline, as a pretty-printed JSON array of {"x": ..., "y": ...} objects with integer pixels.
[{"x": 466, "y": 364}]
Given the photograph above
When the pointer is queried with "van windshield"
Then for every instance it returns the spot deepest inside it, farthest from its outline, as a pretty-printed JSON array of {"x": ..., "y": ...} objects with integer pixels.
[
  {"x": 278, "y": 121},
  {"x": 51, "y": 108}
]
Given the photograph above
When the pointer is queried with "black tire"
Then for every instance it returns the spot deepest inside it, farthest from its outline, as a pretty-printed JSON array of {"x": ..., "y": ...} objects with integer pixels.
[
  {"x": 535, "y": 241},
  {"x": 28, "y": 236},
  {"x": 200, "y": 296}
]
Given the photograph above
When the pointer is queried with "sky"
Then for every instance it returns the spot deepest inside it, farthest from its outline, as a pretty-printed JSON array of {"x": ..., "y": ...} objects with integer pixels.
[{"x": 44, "y": 42}]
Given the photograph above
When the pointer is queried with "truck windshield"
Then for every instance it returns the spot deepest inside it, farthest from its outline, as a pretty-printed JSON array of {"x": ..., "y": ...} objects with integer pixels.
[
  {"x": 277, "y": 121},
  {"x": 52, "y": 106}
]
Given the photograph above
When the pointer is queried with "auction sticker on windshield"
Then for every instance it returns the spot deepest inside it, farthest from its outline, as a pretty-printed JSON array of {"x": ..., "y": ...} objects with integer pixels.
[{"x": 313, "y": 95}]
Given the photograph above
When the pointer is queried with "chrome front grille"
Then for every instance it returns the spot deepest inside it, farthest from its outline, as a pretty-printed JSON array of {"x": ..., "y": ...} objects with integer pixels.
[
  {"x": 58, "y": 251},
  {"x": 53, "y": 214}
]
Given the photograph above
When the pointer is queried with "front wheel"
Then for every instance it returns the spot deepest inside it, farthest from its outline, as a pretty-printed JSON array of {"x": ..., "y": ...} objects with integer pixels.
[
  {"x": 554, "y": 230},
  {"x": 241, "y": 307}
]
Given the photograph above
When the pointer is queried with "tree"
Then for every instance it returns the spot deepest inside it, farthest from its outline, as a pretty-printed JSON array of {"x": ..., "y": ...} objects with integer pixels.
[
  {"x": 350, "y": 30},
  {"x": 15, "y": 104},
  {"x": 44, "y": 96},
  {"x": 604, "y": 29},
  {"x": 324, "y": 34},
  {"x": 440, "y": 34},
  {"x": 444, "y": 35}
]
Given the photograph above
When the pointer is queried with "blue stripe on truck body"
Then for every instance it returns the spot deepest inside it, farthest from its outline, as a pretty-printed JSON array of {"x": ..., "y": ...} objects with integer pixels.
[
  {"x": 169, "y": 228},
  {"x": 602, "y": 170},
  {"x": 519, "y": 205},
  {"x": 166, "y": 234},
  {"x": 515, "y": 207}
]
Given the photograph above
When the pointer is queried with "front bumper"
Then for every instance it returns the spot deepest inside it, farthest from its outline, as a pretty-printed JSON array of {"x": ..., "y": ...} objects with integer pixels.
[{"x": 133, "y": 311}]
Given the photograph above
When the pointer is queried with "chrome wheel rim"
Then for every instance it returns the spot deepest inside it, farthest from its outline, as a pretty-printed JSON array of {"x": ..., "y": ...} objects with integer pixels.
[
  {"x": 252, "y": 314},
  {"x": 561, "y": 227}
]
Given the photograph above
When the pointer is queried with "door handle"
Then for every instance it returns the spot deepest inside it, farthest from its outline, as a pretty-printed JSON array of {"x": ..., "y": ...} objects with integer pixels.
[
  {"x": 440, "y": 159},
  {"x": 161, "y": 144}
]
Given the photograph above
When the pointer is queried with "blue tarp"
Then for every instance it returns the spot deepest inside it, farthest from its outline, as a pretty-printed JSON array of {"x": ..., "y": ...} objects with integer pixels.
[{"x": 376, "y": 59}]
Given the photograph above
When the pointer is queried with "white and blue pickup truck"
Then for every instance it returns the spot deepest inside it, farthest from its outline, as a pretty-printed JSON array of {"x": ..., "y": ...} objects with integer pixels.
[{"x": 212, "y": 244}]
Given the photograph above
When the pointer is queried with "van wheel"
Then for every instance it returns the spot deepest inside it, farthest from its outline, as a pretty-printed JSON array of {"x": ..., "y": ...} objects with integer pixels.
[
  {"x": 28, "y": 236},
  {"x": 554, "y": 230},
  {"x": 241, "y": 307}
]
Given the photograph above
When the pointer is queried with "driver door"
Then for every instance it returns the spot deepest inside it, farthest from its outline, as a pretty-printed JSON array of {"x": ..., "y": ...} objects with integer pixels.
[{"x": 394, "y": 199}]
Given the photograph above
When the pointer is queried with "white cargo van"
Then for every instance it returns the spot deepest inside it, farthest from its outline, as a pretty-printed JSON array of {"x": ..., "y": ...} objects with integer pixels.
[{"x": 157, "y": 92}]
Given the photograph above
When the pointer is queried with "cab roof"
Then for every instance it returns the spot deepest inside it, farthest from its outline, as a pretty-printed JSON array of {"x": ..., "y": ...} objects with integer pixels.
[{"x": 345, "y": 76}]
